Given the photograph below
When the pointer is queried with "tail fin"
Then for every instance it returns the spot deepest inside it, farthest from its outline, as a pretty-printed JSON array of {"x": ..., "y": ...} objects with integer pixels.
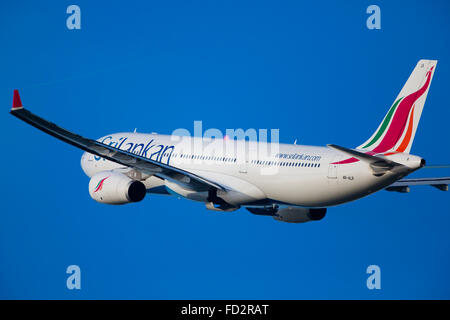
[{"x": 396, "y": 131}]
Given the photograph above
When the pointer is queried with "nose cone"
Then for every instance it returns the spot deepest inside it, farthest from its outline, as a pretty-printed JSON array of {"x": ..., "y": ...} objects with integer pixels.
[{"x": 85, "y": 164}]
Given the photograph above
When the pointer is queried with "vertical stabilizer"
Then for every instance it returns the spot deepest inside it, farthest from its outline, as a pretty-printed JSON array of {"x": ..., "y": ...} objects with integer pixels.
[{"x": 398, "y": 128}]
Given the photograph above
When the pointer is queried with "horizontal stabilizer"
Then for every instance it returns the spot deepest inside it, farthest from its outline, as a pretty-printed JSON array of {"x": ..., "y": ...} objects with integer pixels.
[
  {"x": 379, "y": 165},
  {"x": 404, "y": 184}
]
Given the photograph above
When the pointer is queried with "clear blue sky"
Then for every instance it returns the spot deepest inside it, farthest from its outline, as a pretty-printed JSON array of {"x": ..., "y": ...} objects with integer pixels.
[{"x": 311, "y": 69}]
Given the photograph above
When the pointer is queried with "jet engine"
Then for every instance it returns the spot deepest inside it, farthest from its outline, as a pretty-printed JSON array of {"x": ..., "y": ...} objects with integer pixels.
[
  {"x": 291, "y": 214},
  {"x": 115, "y": 188}
]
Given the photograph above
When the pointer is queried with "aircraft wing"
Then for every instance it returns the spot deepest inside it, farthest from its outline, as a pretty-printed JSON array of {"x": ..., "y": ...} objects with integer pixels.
[
  {"x": 122, "y": 157},
  {"x": 404, "y": 184}
]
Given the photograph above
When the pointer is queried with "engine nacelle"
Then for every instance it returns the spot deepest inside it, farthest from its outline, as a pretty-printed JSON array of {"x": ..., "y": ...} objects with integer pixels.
[
  {"x": 115, "y": 188},
  {"x": 299, "y": 215}
]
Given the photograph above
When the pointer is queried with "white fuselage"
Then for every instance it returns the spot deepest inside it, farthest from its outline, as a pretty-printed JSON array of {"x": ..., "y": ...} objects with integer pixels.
[{"x": 265, "y": 173}]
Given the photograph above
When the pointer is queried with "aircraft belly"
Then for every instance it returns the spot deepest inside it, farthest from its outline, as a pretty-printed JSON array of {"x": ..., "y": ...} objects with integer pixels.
[{"x": 315, "y": 190}]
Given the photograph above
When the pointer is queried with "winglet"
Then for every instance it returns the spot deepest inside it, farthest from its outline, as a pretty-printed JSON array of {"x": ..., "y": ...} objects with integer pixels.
[{"x": 17, "y": 103}]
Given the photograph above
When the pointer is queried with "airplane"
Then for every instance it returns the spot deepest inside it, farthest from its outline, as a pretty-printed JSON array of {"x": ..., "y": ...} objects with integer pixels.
[{"x": 290, "y": 182}]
